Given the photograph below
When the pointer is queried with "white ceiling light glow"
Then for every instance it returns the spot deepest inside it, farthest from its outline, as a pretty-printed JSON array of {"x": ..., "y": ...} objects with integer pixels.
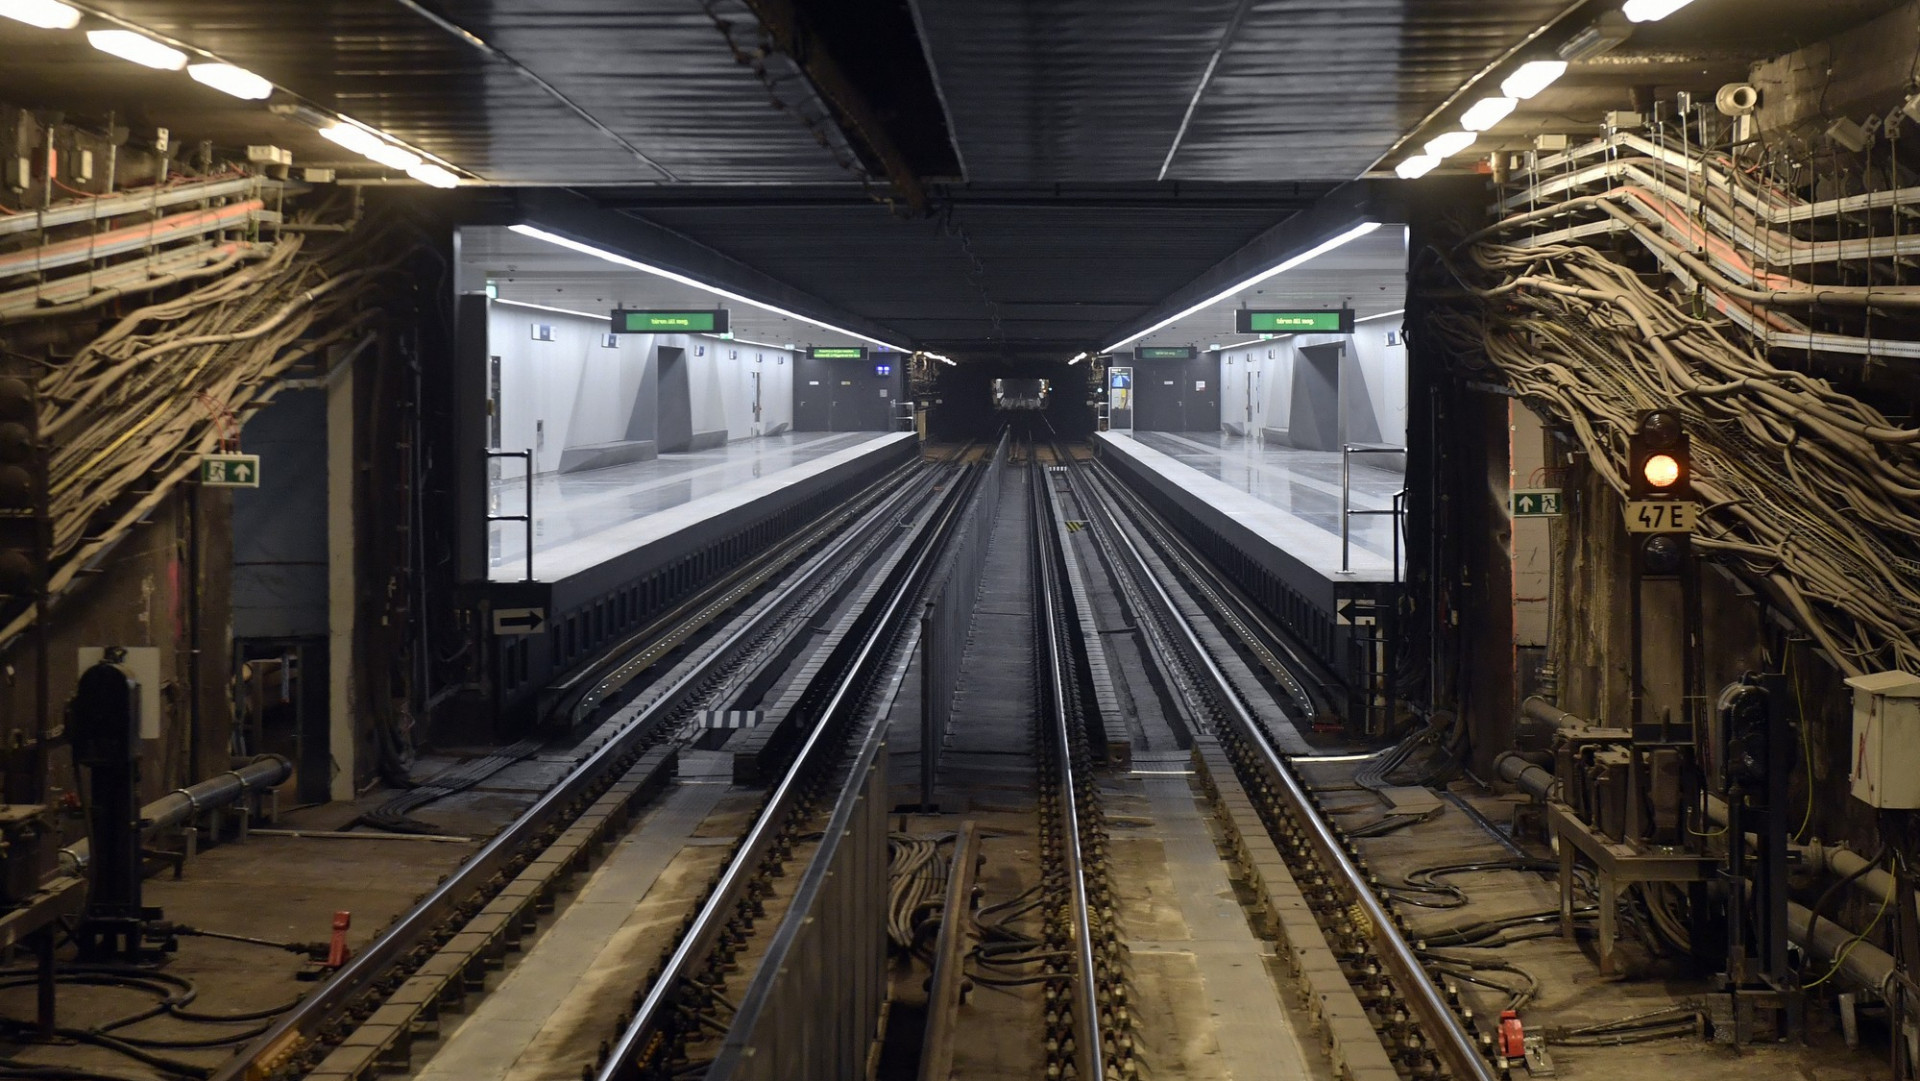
[
  {"x": 1312, "y": 253},
  {"x": 634, "y": 264},
  {"x": 391, "y": 156},
  {"x": 352, "y": 136},
  {"x": 1652, "y": 11},
  {"x": 1531, "y": 78},
  {"x": 1417, "y": 166},
  {"x": 138, "y": 48},
  {"x": 45, "y": 14},
  {"x": 429, "y": 173},
  {"x": 1451, "y": 143},
  {"x": 1487, "y": 112},
  {"x": 228, "y": 79}
]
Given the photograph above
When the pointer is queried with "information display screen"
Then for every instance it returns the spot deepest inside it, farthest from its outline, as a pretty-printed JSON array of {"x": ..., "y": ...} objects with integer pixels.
[
  {"x": 1326, "y": 321},
  {"x": 626, "y": 321}
]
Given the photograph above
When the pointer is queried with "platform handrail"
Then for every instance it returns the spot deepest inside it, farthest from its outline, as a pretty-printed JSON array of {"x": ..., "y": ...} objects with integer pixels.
[
  {"x": 527, "y": 517},
  {"x": 1347, "y": 513}
]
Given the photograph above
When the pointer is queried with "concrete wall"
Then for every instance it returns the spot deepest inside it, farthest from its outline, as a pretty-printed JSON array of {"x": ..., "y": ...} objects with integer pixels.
[
  {"x": 576, "y": 391},
  {"x": 1373, "y": 383}
]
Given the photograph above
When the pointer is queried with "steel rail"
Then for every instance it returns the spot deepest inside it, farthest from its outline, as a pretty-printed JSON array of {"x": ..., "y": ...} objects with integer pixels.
[
  {"x": 1278, "y": 650},
  {"x": 1086, "y": 1008},
  {"x": 1452, "y": 1042},
  {"x": 872, "y": 634},
  {"x": 373, "y": 962}
]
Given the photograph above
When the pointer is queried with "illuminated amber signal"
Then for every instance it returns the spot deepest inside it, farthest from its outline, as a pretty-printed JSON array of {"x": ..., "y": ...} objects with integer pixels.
[{"x": 1661, "y": 470}]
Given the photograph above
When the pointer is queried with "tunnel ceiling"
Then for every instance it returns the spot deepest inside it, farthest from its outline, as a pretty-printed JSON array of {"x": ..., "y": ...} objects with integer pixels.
[{"x": 983, "y": 176}]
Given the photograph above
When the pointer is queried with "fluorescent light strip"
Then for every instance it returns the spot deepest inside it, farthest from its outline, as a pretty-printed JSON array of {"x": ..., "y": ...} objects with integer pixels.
[
  {"x": 1382, "y": 315},
  {"x": 45, "y": 14},
  {"x": 1532, "y": 77},
  {"x": 1315, "y": 252},
  {"x": 1487, "y": 112},
  {"x": 1652, "y": 11},
  {"x": 635, "y": 264},
  {"x": 228, "y": 79},
  {"x": 605, "y": 317},
  {"x": 139, "y": 48},
  {"x": 1416, "y": 167}
]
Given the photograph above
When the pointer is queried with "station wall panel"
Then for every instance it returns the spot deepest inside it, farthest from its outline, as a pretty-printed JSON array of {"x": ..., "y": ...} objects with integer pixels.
[
  {"x": 1260, "y": 384},
  {"x": 574, "y": 390}
]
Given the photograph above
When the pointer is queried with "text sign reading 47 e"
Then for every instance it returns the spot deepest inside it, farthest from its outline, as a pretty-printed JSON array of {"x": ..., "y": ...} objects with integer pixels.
[
  {"x": 230, "y": 470},
  {"x": 1661, "y": 516},
  {"x": 1536, "y": 503}
]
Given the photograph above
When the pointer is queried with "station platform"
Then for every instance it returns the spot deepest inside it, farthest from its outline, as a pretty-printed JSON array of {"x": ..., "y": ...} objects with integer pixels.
[
  {"x": 1269, "y": 516},
  {"x": 614, "y": 547},
  {"x": 581, "y": 520}
]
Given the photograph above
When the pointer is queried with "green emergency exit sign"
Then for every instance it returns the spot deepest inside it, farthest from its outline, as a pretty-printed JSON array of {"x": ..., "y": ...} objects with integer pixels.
[
  {"x": 837, "y": 352},
  {"x": 1319, "y": 321},
  {"x": 628, "y": 321},
  {"x": 230, "y": 470}
]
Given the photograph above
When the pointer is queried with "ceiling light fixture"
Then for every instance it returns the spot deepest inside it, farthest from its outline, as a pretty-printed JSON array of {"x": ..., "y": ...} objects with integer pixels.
[
  {"x": 1417, "y": 166},
  {"x": 1077, "y": 358},
  {"x": 1532, "y": 77},
  {"x": 604, "y": 317},
  {"x": 138, "y": 48},
  {"x": 635, "y": 264},
  {"x": 1487, "y": 112},
  {"x": 45, "y": 14},
  {"x": 1451, "y": 143},
  {"x": 1314, "y": 252},
  {"x": 1603, "y": 35},
  {"x": 228, "y": 79},
  {"x": 1382, "y": 315},
  {"x": 391, "y": 156},
  {"x": 352, "y": 136},
  {"x": 1652, "y": 11},
  {"x": 428, "y": 173}
]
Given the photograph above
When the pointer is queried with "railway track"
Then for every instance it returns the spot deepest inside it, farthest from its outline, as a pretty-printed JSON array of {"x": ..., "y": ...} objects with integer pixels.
[
  {"x": 778, "y": 970},
  {"x": 1380, "y": 1013},
  {"x": 366, "y": 1019}
]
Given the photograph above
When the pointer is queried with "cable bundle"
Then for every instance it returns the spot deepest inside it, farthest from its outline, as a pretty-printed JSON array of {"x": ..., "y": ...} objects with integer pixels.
[
  {"x": 127, "y": 418},
  {"x": 1810, "y": 492}
]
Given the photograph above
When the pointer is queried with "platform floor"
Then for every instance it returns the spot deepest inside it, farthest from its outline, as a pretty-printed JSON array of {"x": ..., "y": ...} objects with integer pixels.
[
  {"x": 583, "y": 519},
  {"x": 1304, "y": 487}
]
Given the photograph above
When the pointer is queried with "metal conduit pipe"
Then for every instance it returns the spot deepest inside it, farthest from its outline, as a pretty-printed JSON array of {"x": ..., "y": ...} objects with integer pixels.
[
  {"x": 1864, "y": 964},
  {"x": 182, "y": 804},
  {"x": 1861, "y": 963}
]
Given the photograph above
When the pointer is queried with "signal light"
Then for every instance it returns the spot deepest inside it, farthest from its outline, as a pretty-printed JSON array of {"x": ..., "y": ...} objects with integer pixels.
[
  {"x": 1661, "y": 471},
  {"x": 1659, "y": 458}
]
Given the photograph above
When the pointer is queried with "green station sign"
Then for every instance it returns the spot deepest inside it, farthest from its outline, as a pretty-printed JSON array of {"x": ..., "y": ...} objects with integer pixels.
[
  {"x": 837, "y": 352},
  {"x": 628, "y": 321},
  {"x": 1321, "y": 321},
  {"x": 1165, "y": 352}
]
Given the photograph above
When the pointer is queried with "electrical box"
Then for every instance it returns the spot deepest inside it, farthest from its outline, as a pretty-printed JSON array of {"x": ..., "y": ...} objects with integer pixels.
[
  {"x": 1622, "y": 120},
  {"x": 1551, "y": 143},
  {"x": 1886, "y": 740},
  {"x": 269, "y": 155}
]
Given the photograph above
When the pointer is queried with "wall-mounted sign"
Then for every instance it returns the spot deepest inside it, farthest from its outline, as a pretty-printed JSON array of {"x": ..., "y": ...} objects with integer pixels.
[
  {"x": 230, "y": 470},
  {"x": 1536, "y": 502},
  {"x": 1164, "y": 352},
  {"x": 837, "y": 352},
  {"x": 1323, "y": 321},
  {"x": 626, "y": 321}
]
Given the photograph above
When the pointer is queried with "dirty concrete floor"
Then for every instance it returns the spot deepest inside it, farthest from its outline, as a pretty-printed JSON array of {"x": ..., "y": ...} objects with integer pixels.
[{"x": 1572, "y": 991}]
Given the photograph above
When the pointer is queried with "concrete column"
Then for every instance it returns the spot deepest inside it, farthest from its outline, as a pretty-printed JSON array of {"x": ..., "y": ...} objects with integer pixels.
[{"x": 341, "y": 592}]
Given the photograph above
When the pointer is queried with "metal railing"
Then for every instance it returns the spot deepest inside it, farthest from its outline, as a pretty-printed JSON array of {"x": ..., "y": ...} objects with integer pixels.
[
  {"x": 1347, "y": 513},
  {"x": 527, "y": 516},
  {"x": 948, "y": 616}
]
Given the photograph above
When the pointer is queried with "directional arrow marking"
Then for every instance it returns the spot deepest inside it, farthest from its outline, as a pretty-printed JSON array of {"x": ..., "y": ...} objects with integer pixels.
[{"x": 519, "y": 620}]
